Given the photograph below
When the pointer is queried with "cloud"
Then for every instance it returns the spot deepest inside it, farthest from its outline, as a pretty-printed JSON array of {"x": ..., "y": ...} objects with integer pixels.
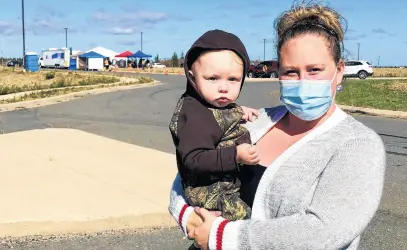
[
  {"x": 8, "y": 28},
  {"x": 352, "y": 35},
  {"x": 136, "y": 18},
  {"x": 355, "y": 37},
  {"x": 46, "y": 10},
  {"x": 379, "y": 31},
  {"x": 121, "y": 31},
  {"x": 127, "y": 23},
  {"x": 221, "y": 16},
  {"x": 382, "y": 31},
  {"x": 46, "y": 26},
  {"x": 181, "y": 18}
]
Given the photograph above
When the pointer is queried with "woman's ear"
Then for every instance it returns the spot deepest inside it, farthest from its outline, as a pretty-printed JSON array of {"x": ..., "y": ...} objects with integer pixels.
[
  {"x": 191, "y": 74},
  {"x": 340, "y": 70}
]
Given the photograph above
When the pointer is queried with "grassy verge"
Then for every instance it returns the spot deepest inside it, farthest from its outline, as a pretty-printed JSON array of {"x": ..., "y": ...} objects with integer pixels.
[
  {"x": 169, "y": 70},
  {"x": 386, "y": 94},
  {"x": 50, "y": 92},
  {"x": 52, "y": 80},
  {"x": 390, "y": 72}
]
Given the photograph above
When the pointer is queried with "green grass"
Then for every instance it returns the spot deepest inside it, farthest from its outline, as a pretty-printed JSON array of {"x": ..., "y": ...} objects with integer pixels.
[
  {"x": 379, "y": 94},
  {"x": 65, "y": 83},
  {"x": 44, "y": 93}
]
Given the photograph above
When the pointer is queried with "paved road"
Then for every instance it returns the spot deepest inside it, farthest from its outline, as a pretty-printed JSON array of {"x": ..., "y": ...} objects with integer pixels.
[{"x": 141, "y": 117}]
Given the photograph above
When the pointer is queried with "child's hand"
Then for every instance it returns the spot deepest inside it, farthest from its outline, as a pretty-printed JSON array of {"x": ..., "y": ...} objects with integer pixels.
[
  {"x": 249, "y": 113},
  {"x": 247, "y": 154}
]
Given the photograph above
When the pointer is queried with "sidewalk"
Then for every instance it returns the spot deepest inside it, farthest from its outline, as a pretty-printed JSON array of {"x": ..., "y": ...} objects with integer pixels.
[
  {"x": 376, "y": 112},
  {"x": 57, "y": 181}
]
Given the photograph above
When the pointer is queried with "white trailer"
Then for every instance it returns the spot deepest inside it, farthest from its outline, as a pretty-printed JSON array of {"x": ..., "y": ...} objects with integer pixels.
[{"x": 55, "y": 58}]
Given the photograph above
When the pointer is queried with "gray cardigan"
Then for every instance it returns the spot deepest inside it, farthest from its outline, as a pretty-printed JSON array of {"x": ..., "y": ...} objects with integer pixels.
[{"x": 321, "y": 193}]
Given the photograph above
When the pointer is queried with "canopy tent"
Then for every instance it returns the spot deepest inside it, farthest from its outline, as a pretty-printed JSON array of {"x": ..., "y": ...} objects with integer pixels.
[
  {"x": 125, "y": 54},
  {"x": 140, "y": 54},
  {"x": 93, "y": 60},
  {"x": 91, "y": 54},
  {"x": 103, "y": 51}
]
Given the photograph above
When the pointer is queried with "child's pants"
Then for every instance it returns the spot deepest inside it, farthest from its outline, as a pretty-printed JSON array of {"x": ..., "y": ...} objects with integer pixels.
[{"x": 220, "y": 196}]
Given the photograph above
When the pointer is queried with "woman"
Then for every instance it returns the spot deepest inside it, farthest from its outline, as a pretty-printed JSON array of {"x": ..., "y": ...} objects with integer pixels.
[{"x": 323, "y": 170}]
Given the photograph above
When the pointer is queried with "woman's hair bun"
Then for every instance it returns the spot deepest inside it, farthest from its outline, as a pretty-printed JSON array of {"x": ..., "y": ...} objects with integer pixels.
[{"x": 310, "y": 15}]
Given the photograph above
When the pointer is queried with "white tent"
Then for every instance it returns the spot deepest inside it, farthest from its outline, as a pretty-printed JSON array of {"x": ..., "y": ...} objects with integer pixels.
[{"x": 104, "y": 52}]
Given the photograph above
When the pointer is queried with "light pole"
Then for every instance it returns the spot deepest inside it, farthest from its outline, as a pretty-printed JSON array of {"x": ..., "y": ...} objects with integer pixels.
[
  {"x": 66, "y": 37},
  {"x": 358, "y": 50},
  {"x": 22, "y": 19},
  {"x": 141, "y": 41},
  {"x": 264, "y": 50},
  {"x": 1, "y": 51}
]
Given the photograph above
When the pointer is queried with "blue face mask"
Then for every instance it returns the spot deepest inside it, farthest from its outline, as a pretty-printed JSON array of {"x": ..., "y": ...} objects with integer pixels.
[{"x": 306, "y": 99}]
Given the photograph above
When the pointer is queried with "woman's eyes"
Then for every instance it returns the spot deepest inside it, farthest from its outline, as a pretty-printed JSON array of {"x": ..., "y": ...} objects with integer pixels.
[
  {"x": 315, "y": 70},
  {"x": 291, "y": 73},
  {"x": 294, "y": 73},
  {"x": 212, "y": 78}
]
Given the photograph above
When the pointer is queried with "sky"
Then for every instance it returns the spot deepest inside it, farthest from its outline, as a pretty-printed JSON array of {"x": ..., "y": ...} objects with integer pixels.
[{"x": 170, "y": 26}]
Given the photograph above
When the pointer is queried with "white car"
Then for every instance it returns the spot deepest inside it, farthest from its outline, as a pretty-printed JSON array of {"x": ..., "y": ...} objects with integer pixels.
[
  {"x": 158, "y": 65},
  {"x": 358, "y": 68}
]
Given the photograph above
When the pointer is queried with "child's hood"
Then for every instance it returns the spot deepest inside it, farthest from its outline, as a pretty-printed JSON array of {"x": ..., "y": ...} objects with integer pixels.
[{"x": 213, "y": 40}]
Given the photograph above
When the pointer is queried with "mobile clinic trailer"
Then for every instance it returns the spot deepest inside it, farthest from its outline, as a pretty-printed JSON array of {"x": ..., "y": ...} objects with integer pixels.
[{"x": 55, "y": 58}]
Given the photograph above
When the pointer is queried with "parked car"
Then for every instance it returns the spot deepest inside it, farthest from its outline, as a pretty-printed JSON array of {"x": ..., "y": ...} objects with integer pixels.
[
  {"x": 158, "y": 65},
  {"x": 265, "y": 69},
  {"x": 358, "y": 68},
  {"x": 13, "y": 63}
]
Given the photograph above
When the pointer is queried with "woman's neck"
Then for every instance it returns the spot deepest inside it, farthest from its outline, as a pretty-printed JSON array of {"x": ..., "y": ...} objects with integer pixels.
[{"x": 295, "y": 126}]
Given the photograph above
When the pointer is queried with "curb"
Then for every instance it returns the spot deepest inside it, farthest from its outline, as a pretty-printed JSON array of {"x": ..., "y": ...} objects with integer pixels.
[
  {"x": 34, "y": 228},
  {"x": 69, "y": 97},
  {"x": 375, "y": 112},
  {"x": 182, "y": 74}
]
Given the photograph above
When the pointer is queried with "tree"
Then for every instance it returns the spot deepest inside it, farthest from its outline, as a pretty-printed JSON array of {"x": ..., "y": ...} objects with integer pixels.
[
  {"x": 182, "y": 55},
  {"x": 174, "y": 59},
  {"x": 156, "y": 59}
]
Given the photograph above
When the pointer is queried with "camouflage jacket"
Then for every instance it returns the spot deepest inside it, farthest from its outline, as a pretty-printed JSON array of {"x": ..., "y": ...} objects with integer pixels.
[{"x": 205, "y": 140}]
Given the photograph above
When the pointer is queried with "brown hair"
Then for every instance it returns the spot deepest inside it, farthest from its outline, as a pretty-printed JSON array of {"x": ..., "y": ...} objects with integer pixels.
[{"x": 306, "y": 18}]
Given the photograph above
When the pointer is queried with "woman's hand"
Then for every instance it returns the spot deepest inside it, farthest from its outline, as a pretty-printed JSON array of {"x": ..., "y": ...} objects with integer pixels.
[
  {"x": 249, "y": 113},
  {"x": 195, "y": 220},
  {"x": 201, "y": 233}
]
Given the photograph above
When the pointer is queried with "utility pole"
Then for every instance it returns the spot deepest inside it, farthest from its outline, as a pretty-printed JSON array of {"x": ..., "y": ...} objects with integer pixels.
[
  {"x": 66, "y": 37},
  {"x": 22, "y": 19},
  {"x": 358, "y": 50},
  {"x": 264, "y": 49},
  {"x": 141, "y": 41},
  {"x": 1, "y": 51},
  {"x": 378, "y": 62}
]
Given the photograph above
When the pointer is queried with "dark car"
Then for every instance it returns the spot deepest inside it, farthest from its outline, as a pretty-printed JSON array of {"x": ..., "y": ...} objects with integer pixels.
[
  {"x": 265, "y": 69},
  {"x": 13, "y": 63}
]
